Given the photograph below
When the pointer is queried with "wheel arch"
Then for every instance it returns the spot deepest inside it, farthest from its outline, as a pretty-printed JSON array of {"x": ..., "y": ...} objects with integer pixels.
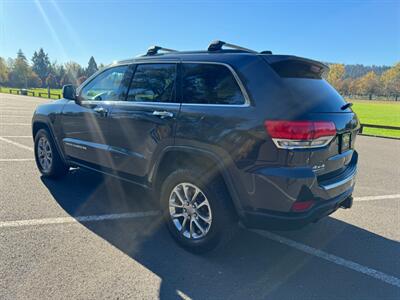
[
  {"x": 175, "y": 156},
  {"x": 42, "y": 124}
]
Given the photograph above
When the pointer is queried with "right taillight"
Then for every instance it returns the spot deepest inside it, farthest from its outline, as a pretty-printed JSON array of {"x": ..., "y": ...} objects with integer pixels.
[{"x": 300, "y": 134}]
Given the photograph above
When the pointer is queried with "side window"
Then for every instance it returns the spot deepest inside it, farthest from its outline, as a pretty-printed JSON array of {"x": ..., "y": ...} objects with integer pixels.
[
  {"x": 210, "y": 84},
  {"x": 153, "y": 83},
  {"x": 106, "y": 86}
]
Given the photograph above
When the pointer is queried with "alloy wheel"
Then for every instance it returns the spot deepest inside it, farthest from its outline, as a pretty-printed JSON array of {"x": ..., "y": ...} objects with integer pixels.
[
  {"x": 45, "y": 154},
  {"x": 190, "y": 211}
]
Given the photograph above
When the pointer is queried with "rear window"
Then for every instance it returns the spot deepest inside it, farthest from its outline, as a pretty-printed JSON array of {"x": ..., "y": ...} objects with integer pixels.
[
  {"x": 298, "y": 69},
  {"x": 210, "y": 84},
  {"x": 313, "y": 95}
]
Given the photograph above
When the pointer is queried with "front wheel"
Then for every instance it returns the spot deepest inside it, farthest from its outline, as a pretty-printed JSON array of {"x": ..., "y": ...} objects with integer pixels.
[
  {"x": 47, "y": 158},
  {"x": 198, "y": 213}
]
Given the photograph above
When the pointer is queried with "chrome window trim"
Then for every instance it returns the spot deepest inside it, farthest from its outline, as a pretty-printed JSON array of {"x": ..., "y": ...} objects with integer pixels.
[
  {"x": 235, "y": 75},
  {"x": 144, "y": 103},
  {"x": 246, "y": 97}
]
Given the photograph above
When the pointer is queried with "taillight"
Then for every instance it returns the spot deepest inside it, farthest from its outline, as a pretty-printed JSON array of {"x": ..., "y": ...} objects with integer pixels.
[{"x": 300, "y": 134}]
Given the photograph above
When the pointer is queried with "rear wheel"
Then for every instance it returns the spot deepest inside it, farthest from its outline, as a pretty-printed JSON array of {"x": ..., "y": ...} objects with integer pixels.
[
  {"x": 47, "y": 158},
  {"x": 198, "y": 213}
]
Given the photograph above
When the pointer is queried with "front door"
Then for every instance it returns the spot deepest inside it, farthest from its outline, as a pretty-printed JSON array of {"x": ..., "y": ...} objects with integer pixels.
[
  {"x": 86, "y": 126},
  {"x": 145, "y": 122}
]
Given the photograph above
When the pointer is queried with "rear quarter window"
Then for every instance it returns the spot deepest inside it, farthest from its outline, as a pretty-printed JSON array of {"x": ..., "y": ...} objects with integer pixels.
[{"x": 210, "y": 84}]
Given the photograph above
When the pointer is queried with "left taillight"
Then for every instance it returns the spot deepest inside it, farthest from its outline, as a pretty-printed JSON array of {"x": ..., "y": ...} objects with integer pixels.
[{"x": 300, "y": 134}]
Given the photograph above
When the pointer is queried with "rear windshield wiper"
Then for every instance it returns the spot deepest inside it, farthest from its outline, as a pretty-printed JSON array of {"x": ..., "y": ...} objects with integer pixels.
[{"x": 346, "y": 106}]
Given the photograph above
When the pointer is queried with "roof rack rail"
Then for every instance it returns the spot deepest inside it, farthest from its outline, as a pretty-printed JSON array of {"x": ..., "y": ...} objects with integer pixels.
[
  {"x": 217, "y": 45},
  {"x": 153, "y": 50}
]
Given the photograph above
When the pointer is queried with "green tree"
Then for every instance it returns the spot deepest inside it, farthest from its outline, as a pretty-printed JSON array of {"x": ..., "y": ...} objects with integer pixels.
[
  {"x": 72, "y": 72},
  {"x": 34, "y": 80},
  {"x": 92, "y": 67},
  {"x": 3, "y": 72},
  {"x": 58, "y": 71},
  {"x": 20, "y": 71},
  {"x": 41, "y": 64},
  {"x": 391, "y": 81}
]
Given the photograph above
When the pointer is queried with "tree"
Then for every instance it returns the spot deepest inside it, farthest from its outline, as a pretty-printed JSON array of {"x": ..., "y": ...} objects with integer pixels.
[
  {"x": 391, "y": 81},
  {"x": 369, "y": 84},
  {"x": 3, "y": 72},
  {"x": 92, "y": 67},
  {"x": 72, "y": 72},
  {"x": 58, "y": 71},
  {"x": 81, "y": 80},
  {"x": 34, "y": 80},
  {"x": 20, "y": 71},
  {"x": 41, "y": 64},
  {"x": 51, "y": 81},
  {"x": 335, "y": 75}
]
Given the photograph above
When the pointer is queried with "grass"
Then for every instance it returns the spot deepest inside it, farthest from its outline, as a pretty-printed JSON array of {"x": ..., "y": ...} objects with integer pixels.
[
  {"x": 378, "y": 113},
  {"x": 36, "y": 92}
]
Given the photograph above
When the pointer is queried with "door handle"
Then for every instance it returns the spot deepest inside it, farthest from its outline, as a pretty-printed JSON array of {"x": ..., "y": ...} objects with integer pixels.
[
  {"x": 101, "y": 110},
  {"x": 163, "y": 114}
]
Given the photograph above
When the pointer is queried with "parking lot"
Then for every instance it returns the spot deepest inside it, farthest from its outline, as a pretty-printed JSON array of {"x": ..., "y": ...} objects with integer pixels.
[{"x": 91, "y": 236}]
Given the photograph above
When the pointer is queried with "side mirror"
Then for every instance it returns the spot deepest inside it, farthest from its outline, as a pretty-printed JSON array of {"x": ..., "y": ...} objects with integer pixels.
[{"x": 69, "y": 92}]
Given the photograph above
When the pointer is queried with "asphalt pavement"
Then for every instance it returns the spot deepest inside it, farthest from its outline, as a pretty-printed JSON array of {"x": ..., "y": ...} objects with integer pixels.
[{"x": 94, "y": 237}]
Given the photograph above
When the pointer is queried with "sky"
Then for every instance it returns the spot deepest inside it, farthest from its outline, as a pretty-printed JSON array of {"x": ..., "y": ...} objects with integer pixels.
[{"x": 365, "y": 32}]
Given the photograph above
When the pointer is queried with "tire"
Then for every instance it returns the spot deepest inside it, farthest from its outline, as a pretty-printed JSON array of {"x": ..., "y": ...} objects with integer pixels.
[
  {"x": 218, "y": 211},
  {"x": 47, "y": 158}
]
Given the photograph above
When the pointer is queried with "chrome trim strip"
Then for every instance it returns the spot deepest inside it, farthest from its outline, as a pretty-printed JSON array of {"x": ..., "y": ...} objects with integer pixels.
[
  {"x": 276, "y": 142},
  {"x": 339, "y": 183},
  {"x": 145, "y": 104}
]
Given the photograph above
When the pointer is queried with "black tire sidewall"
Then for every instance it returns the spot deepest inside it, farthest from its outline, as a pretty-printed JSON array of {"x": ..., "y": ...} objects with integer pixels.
[{"x": 57, "y": 166}]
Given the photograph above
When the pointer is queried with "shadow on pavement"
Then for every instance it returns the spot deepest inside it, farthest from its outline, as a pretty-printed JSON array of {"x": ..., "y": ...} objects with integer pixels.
[{"x": 250, "y": 267}]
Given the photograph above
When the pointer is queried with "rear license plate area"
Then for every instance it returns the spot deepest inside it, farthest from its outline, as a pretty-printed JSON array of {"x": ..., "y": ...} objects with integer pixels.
[{"x": 345, "y": 142}]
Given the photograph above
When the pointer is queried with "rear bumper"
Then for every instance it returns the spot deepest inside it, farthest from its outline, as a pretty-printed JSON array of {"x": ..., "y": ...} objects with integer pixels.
[{"x": 292, "y": 220}]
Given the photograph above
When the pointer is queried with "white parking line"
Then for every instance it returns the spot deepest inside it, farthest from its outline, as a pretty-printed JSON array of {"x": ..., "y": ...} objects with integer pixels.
[
  {"x": 15, "y": 116},
  {"x": 16, "y": 159},
  {"x": 16, "y": 136},
  {"x": 383, "y": 197},
  {"x": 332, "y": 258},
  {"x": 16, "y": 144},
  {"x": 66, "y": 220},
  {"x": 16, "y": 124},
  {"x": 17, "y": 110},
  {"x": 392, "y": 280}
]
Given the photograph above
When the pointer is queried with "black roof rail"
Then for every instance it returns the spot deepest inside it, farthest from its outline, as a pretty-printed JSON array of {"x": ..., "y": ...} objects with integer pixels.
[
  {"x": 153, "y": 50},
  {"x": 217, "y": 45}
]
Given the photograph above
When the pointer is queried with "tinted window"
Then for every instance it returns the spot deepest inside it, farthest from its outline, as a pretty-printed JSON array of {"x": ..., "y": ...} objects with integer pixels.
[
  {"x": 106, "y": 86},
  {"x": 210, "y": 84},
  {"x": 297, "y": 69},
  {"x": 153, "y": 83}
]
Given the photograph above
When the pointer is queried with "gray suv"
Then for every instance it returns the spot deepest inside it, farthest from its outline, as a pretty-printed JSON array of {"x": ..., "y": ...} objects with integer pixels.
[{"x": 220, "y": 136}]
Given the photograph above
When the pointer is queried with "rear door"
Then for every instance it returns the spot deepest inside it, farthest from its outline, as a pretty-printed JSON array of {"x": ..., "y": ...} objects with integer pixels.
[
  {"x": 86, "y": 126},
  {"x": 144, "y": 123}
]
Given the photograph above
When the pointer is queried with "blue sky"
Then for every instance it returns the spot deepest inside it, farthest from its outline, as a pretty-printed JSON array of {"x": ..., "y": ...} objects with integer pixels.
[{"x": 366, "y": 32}]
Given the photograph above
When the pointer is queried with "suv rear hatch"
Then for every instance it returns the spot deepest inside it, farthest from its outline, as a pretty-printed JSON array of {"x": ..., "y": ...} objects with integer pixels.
[{"x": 313, "y": 104}]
